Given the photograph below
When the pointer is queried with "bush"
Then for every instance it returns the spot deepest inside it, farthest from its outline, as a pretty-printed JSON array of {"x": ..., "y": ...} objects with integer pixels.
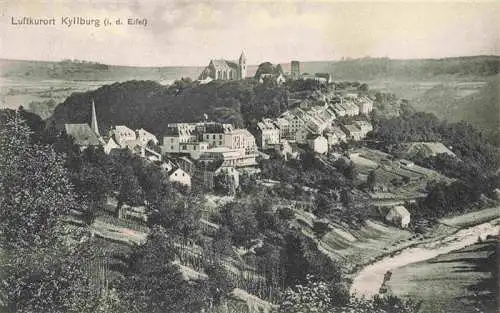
[{"x": 320, "y": 229}]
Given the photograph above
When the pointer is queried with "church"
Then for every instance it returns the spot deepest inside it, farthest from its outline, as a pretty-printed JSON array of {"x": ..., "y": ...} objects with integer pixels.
[{"x": 226, "y": 69}]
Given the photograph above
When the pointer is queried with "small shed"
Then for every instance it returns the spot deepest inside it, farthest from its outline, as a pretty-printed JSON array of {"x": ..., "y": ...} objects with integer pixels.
[{"x": 399, "y": 216}]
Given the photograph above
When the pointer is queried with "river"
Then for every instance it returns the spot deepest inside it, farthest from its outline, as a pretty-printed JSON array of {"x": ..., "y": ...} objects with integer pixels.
[{"x": 369, "y": 279}]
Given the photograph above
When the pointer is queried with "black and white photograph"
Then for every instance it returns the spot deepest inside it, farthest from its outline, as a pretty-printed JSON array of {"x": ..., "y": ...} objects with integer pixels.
[{"x": 249, "y": 156}]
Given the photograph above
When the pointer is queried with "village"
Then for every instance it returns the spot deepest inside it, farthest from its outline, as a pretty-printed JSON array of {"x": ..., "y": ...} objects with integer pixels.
[{"x": 212, "y": 155}]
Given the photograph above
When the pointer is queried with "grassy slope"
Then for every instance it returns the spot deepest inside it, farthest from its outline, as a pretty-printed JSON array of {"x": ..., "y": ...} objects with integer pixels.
[{"x": 448, "y": 283}]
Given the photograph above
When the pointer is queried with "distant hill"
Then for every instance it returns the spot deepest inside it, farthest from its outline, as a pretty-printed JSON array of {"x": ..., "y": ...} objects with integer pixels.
[
  {"x": 355, "y": 69},
  {"x": 478, "y": 103},
  {"x": 421, "y": 69},
  {"x": 152, "y": 106},
  {"x": 78, "y": 71}
]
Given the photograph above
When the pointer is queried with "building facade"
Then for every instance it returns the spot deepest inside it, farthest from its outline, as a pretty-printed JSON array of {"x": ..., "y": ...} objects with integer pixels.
[
  {"x": 269, "y": 134},
  {"x": 295, "y": 69},
  {"x": 226, "y": 69}
]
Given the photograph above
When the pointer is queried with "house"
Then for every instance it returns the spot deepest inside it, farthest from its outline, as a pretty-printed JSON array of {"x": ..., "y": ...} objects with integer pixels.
[
  {"x": 352, "y": 132},
  {"x": 82, "y": 135},
  {"x": 318, "y": 144},
  {"x": 283, "y": 126},
  {"x": 121, "y": 134},
  {"x": 326, "y": 76},
  {"x": 209, "y": 174},
  {"x": 187, "y": 165},
  {"x": 145, "y": 137},
  {"x": 365, "y": 105},
  {"x": 228, "y": 157},
  {"x": 399, "y": 216},
  {"x": 284, "y": 149},
  {"x": 85, "y": 136},
  {"x": 364, "y": 126},
  {"x": 269, "y": 134},
  {"x": 178, "y": 175},
  {"x": 301, "y": 135},
  {"x": 279, "y": 79},
  {"x": 226, "y": 69}
]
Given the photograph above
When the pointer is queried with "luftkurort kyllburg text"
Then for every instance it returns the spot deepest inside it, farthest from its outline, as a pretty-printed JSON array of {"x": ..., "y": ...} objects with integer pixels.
[{"x": 74, "y": 21}]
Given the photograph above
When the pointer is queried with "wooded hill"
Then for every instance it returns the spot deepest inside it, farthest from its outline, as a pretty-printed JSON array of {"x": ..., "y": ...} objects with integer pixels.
[{"x": 149, "y": 105}]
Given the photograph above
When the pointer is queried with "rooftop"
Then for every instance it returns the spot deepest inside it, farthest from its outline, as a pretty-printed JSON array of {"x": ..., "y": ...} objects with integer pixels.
[{"x": 82, "y": 134}]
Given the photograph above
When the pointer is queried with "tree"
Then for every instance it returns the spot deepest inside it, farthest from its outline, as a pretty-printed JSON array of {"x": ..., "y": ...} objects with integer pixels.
[
  {"x": 240, "y": 220},
  {"x": 371, "y": 181},
  {"x": 319, "y": 297},
  {"x": 154, "y": 284},
  {"x": 34, "y": 187},
  {"x": 57, "y": 280},
  {"x": 293, "y": 262},
  {"x": 130, "y": 190},
  {"x": 179, "y": 215},
  {"x": 91, "y": 184}
]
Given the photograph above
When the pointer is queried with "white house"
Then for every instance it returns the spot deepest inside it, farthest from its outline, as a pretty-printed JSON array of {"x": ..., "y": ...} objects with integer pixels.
[
  {"x": 145, "y": 137},
  {"x": 179, "y": 176},
  {"x": 365, "y": 105},
  {"x": 269, "y": 134},
  {"x": 318, "y": 144},
  {"x": 352, "y": 132},
  {"x": 122, "y": 134},
  {"x": 399, "y": 216}
]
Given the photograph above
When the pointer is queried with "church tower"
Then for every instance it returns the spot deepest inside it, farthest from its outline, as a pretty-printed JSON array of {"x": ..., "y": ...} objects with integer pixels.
[
  {"x": 242, "y": 65},
  {"x": 94, "y": 126}
]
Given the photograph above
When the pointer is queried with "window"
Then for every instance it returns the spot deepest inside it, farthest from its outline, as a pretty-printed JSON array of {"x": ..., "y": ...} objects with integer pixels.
[
  {"x": 220, "y": 137},
  {"x": 171, "y": 139},
  {"x": 213, "y": 137},
  {"x": 171, "y": 147}
]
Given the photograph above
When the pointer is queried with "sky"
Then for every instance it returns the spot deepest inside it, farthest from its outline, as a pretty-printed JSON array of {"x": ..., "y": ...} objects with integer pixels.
[{"x": 193, "y": 32}]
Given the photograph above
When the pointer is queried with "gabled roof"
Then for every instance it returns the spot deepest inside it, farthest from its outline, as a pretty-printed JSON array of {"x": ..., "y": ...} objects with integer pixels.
[
  {"x": 82, "y": 134},
  {"x": 400, "y": 210},
  {"x": 224, "y": 64},
  {"x": 123, "y": 128},
  {"x": 352, "y": 129}
]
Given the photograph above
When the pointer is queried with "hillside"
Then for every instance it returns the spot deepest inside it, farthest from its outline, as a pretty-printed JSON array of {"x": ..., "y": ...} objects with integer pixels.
[
  {"x": 150, "y": 105},
  {"x": 355, "y": 69},
  {"x": 423, "y": 69},
  {"x": 477, "y": 102},
  {"x": 78, "y": 71}
]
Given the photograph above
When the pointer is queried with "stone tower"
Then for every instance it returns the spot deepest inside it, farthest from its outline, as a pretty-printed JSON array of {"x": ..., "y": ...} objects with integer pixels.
[
  {"x": 242, "y": 65},
  {"x": 94, "y": 126}
]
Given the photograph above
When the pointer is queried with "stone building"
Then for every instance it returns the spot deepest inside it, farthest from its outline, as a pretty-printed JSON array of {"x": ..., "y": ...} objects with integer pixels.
[
  {"x": 295, "y": 69},
  {"x": 226, "y": 69}
]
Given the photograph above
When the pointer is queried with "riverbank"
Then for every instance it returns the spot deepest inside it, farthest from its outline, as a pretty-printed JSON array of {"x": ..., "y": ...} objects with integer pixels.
[
  {"x": 450, "y": 235},
  {"x": 460, "y": 281}
]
